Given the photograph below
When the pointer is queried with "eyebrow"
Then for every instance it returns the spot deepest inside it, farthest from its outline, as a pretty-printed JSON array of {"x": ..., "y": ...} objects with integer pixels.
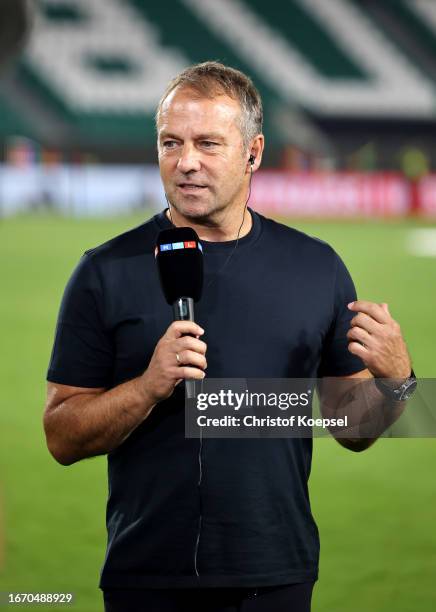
[{"x": 205, "y": 136}]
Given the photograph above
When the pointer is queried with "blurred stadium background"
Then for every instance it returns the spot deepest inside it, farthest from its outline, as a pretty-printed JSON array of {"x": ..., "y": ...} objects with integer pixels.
[{"x": 349, "y": 88}]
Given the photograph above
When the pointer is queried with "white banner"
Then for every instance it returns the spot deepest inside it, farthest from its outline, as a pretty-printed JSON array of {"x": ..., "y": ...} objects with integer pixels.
[{"x": 80, "y": 190}]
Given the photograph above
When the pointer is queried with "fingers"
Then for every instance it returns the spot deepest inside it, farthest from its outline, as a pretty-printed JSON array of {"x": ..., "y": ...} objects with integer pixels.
[
  {"x": 379, "y": 312},
  {"x": 385, "y": 308},
  {"x": 365, "y": 322},
  {"x": 192, "y": 358},
  {"x": 189, "y": 373},
  {"x": 359, "y": 350},
  {"x": 188, "y": 351},
  {"x": 360, "y": 335},
  {"x": 180, "y": 328},
  {"x": 376, "y": 338},
  {"x": 189, "y": 343}
]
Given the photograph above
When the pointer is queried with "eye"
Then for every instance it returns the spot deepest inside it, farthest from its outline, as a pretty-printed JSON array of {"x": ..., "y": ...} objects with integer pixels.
[
  {"x": 208, "y": 144},
  {"x": 169, "y": 144}
]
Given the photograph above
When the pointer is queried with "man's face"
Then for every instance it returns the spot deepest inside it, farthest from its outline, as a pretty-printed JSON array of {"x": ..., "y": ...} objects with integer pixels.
[{"x": 202, "y": 160}]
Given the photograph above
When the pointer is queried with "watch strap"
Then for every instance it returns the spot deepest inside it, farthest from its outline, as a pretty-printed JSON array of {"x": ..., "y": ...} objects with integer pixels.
[{"x": 401, "y": 393}]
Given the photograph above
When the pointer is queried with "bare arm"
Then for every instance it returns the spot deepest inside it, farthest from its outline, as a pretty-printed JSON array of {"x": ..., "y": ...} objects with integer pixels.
[
  {"x": 80, "y": 422},
  {"x": 369, "y": 412}
]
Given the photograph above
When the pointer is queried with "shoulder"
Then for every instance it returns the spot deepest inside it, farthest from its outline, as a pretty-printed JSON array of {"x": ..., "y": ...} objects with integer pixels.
[
  {"x": 287, "y": 237},
  {"x": 134, "y": 242},
  {"x": 109, "y": 259}
]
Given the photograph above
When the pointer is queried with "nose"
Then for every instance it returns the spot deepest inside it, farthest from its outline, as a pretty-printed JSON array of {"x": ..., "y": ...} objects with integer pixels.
[{"x": 189, "y": 160}]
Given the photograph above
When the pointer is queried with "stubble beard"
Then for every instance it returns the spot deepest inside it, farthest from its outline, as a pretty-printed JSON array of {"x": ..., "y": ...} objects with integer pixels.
[
  {"x": 207, "y": 215},
  {"x": 211, "y": 213}
]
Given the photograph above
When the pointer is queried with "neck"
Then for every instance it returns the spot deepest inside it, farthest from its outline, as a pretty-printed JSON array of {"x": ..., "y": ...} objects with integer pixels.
[{"x": 221, "y": 230}]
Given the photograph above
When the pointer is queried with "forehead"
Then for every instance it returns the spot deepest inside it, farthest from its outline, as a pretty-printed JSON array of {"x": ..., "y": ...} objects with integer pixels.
[{"x": 187, "y": 109}]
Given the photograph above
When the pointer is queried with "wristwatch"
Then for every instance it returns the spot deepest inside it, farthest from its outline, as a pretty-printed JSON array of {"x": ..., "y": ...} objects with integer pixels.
[{"x": 401, "y": 393}]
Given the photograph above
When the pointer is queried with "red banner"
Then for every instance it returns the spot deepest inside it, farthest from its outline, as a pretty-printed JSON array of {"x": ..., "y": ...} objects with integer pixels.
[
  {"x": 339, "y": 194},
  {"x": 427, "y": 196}
]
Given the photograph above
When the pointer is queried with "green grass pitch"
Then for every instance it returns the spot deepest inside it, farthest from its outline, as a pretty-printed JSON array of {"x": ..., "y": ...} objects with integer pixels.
[{"x": 375, "y": 510}]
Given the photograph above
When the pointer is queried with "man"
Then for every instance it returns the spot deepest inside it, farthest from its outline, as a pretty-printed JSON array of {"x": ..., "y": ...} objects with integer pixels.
[{"x": 212, "y": 524}]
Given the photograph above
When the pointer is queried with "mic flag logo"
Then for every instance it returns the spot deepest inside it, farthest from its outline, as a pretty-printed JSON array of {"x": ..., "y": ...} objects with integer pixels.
[{"x": 173, "y": 246}]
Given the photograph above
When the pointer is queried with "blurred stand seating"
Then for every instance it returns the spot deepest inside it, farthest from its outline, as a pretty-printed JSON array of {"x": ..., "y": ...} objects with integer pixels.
[{"x": 347, "y": 85}]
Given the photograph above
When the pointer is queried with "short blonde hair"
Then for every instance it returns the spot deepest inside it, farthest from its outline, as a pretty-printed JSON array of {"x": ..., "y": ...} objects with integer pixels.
[{"x": 210, "y": 79}]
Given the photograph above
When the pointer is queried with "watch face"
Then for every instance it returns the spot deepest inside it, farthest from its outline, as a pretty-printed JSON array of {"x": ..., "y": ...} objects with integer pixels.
[{"x": 409, "y": 388}]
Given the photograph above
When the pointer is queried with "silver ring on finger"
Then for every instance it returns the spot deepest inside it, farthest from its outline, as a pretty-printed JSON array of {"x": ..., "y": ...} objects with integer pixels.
[{"x": 178, "y": 359}]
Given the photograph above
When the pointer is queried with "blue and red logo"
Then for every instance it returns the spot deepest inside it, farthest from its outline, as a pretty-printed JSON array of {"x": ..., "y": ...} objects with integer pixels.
[{"x": 174, "y": 246}]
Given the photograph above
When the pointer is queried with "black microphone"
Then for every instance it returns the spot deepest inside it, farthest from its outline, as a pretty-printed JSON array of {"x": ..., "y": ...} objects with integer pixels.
[{"x": 179, "y": 258}]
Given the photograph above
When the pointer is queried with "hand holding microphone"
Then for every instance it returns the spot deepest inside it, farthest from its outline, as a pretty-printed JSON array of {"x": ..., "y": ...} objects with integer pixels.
[{"x": 179, "y": 355}]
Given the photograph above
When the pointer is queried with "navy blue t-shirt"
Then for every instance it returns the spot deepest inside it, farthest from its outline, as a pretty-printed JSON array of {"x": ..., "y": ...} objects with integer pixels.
[{"x": 277, "y": 310}]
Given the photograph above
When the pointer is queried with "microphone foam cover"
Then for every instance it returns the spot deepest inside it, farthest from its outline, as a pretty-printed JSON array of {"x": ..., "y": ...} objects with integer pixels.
[{"x": 179, "y": 260}]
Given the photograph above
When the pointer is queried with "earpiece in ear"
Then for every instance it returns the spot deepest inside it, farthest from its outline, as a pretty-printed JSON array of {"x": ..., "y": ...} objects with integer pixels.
[{"x": 251, "y": 159}]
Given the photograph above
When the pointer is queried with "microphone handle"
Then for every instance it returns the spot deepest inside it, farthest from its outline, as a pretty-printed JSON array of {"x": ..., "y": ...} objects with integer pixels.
[{"x": 183, "y": 310}]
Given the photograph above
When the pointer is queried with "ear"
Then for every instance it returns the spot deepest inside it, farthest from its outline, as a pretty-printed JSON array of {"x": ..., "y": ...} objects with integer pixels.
[{"x": 255, "y": 152}]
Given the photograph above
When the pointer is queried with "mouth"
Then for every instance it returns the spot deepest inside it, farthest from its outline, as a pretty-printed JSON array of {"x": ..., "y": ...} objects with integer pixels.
[{"x": 191, "y": 187}]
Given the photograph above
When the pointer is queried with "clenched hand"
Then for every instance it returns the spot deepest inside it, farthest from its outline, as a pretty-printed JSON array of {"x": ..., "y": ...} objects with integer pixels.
[
  {"x": 376, "y": 338},
  {"x": 177, "y": 356}
]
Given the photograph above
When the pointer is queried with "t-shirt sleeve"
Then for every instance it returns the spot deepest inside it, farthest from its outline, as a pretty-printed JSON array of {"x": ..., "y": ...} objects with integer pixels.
[
  {"x": 82, "y": 354},
  {"x": 336, "y": 359}
]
